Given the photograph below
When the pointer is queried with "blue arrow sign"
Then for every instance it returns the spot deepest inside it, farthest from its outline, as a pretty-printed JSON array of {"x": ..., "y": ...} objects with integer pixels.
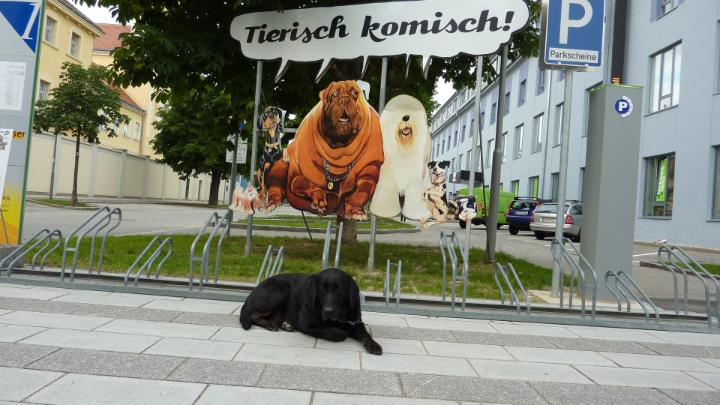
[{"x": 24, "y": 17}]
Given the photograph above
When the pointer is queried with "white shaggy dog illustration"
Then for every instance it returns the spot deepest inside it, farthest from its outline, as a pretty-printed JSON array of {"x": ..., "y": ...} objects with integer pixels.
[{"x": 406, "y": 144}]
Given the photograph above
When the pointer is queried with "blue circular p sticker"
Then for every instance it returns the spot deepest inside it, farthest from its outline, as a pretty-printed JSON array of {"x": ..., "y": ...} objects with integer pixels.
[{"x": 624, "y": 106}]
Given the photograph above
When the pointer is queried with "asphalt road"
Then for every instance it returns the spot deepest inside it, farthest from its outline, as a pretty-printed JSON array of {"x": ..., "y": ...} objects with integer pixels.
[{"x": 184, "y": 219}]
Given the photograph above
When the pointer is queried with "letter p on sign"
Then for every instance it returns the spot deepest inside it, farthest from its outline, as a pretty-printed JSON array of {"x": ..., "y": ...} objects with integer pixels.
[{"x": 566, "y": 22}]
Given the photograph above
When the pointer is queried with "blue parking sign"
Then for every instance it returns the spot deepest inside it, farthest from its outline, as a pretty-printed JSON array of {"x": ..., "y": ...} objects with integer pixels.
[{"x": 574, "y": 32}]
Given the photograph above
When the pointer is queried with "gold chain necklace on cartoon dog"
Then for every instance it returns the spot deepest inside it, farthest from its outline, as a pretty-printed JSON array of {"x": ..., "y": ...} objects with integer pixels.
[{"x": 331, "y": 180}]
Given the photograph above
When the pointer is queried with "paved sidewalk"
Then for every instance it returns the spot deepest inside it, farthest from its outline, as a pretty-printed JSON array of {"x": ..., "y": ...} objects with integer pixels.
[{"x": 64, "y": 346}]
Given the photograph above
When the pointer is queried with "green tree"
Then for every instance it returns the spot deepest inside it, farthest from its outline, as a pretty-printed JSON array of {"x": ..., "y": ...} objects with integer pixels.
[
  {"x": 192, "y": 136},
  {"x": 79, "y": 106}
]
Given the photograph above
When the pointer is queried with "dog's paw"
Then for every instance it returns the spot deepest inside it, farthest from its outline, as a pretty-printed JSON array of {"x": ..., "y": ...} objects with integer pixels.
[
  {"x": 357, "y": 214},
  {"x": 319, "y": 201},
  {"x": 373, "y": 347},
  {"x": 287, "y": 327}
]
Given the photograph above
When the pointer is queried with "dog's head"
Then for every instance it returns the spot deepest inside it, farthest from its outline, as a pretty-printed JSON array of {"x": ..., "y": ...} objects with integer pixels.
[
  {"x": 437, "y": 170},
  {"x": 406, "y": 131},
  {"x": 467, "y": 208},
  {"x": 271, "y": 121},
  {"x": 336, "y": 295},
  {"x": 344, "y": 111}
]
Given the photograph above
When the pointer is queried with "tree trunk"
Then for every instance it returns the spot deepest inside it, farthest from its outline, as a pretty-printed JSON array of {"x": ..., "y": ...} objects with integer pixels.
[
  {"x": 349, "y": 235},
  {"x": 215, "y": 177},
  {"x": 75, "y": 172}
]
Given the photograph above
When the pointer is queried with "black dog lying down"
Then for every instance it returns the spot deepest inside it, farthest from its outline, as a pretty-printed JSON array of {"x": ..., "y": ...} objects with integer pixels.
[{"x": 324, "y": 305}]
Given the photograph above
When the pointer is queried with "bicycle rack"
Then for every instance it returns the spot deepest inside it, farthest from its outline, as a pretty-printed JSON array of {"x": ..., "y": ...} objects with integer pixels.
[
  {"x": 217, "y": 222},
  {"x": 45, "y": 235},
  {"x": 147, "y": 265},
  {"x": 272, "y": 263},
  {"x": 450, "y": 246},
  {"x": 499, "y": 268},
  {"x": 575, "y": 269},
  {"x": 395, "y": 289},
  {"x": 676, "y": 260},
  {"x": 621, "y": 280},
  {"x": 326, "y": 246},
  {"x": 100, "y": 220}
]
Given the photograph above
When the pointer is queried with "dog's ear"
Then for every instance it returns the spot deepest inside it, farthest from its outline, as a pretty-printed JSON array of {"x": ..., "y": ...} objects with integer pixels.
[
  {"x": 313, "y": 290},
  {"x": 260, "y": 122},
  {"x": 354, "y": 294},
  {"x": 444, "y": 164},
  {"x": 431, "y": 164}
]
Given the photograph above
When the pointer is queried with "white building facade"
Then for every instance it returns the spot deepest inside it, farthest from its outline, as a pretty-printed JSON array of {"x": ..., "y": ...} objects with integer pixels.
[{"x": 672, "y": 49}]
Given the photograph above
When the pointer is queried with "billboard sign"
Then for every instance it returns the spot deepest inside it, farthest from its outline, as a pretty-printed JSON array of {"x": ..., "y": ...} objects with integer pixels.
[{"x": 574, "y": 33}]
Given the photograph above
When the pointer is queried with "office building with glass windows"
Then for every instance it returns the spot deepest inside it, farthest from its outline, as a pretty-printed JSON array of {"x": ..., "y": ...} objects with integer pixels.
[{"x": 669, "y": 47}]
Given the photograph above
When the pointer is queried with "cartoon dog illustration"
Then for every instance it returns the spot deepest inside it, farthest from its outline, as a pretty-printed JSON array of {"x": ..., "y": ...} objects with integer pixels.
[
  {"x": 403, "y": 176},
  {"x": 334, "y": 162},
  {"x": 435, "y": 195}
]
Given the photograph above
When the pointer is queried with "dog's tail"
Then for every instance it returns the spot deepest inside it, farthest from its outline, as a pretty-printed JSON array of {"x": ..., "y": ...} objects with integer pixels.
[{"x": 245, "y": 318}]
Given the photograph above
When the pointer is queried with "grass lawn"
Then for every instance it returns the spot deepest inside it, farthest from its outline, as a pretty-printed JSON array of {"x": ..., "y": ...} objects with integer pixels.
[
  {"x": 62, "y": 203},
  {"x": 315, "y": 222},
  {"x": 422, "y": 266},
  {"x": 712, "y": 268}
]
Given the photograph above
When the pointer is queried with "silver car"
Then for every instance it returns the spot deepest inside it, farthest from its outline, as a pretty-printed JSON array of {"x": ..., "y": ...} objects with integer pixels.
[{"x": 543, "y": 220}]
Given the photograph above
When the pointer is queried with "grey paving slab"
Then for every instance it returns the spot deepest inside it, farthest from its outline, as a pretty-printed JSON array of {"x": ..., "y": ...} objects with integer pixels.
[
  {"x": 598, "y": 345},
  {"x": 195, "y": 305},
  {"x": 330, "y": 380},
  {"x": 377, "y": 318},
  {"x": 469, "y": 389},
  {"x": 225, "y": 395},
  {"x": 670, "y": 349},
  {"x": 260, "y": 335},
  {"x": 26, "y": 304},
  {"x": 451, "y": 324},
  {"x": 143, "y": 314},
  {"x": 559, "y": 356},
  {"x": 218, "y": 372},
  {"x": 396, "y": 332},
  {"x": 657, "y": 362},
  {"x": 100, "y": 390},
  {"x": 13, "y": 333},
  {"x": 108, "y": 363},
  {"x": 32, "y": 293},
  {"x": 323, "y": 398},
  {"x": 417, "y": 364},
  {"x": 164, "y": 329},
  {"x": 298, "y": 356},
  {"x": 714, "y": 362},
  {"x": 203, "y": 349},
  {"x": 527, "y": 371},
  {"x": 17, "y": 355},
  {"x": 503, "y": 339},
  {"x": 693, "y": 397},
  {"x": 122, "y": 300},
  {"x": 624, "y": 335},
  {"x": 687, "y": 338},
  {"x": 633, "y": 377},
  {"x": 16, "y": 383},
  {"x": 49, "y": 320},
  {"x": 582, "y": 394},
  {"x": 4, "y": 311},
  {"x": 398, "y": 346},
  {"x": 196, "y": 318},
  {"x": 467, "y": 350},
  {"x": 711, "y": 379},
  {"x": 530, "y": 329},
  {"x": 116, "y": 342}
]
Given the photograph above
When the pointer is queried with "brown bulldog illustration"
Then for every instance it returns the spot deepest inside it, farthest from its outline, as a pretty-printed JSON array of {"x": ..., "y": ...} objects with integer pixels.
[{"x": 334, "y": 162}]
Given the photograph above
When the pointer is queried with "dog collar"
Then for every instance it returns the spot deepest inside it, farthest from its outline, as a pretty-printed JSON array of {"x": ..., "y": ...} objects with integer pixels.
[
  {"x": 332, "y": 180},
  {"x": 352, "y": 323}
]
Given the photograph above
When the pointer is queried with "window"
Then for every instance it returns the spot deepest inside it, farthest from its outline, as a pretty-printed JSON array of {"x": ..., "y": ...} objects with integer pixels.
[
  {"x": 460, "y": 163},
  {"x": 555, "y": 182},
  {"x": 659, "y": 186},
  {"x": 443, "y": 147},
  {"x": 448, "y": 142},
  {"x": 75, "y": 45},
  {"x": 493, "y": 113},
  {"x": 462, "y": 135},
  {"x": 467, "y": 162},
  {"x": 716, "y": 189},
  {"x": 558, "y": 123},
  {"x": 537, "y": 133},
  {"x": 521, "y": 96},
  {"x": 50, "y": 28},
  {"x": 541, "y": 81},
  {"x": 504, "y": 146},
  {"x": 452, "y": 166},
  {"x": 43, "y": 90},
  {"x": 126, "y": 130},
  {"x": 665, "y": 6},
  {"x": 489, "y": 152},
  {"x": 455, "y": 139},
  {"x": 138, "y": 132},
  {"x": 482, "y": 119},
  {"x": 518, "y": 147},
  {"x": 534, "y": 186},
  {"x": 507, "y": 103},
  {"x": 515, "y": 187},
  {"x": 478, "y": 151},
  {"x": 665, "y": 84}
]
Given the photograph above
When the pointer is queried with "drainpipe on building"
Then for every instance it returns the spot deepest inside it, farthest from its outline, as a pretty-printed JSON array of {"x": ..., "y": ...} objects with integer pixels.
[{"x": 547, "y": 134}]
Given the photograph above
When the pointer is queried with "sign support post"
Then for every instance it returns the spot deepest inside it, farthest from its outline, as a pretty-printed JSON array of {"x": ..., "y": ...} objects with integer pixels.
[
  {"x": 253, "y": 153},
  {"x": 477, "y": 137},
  {"x": 373, "y": 218},
  {"x": 233, "y": 175}
]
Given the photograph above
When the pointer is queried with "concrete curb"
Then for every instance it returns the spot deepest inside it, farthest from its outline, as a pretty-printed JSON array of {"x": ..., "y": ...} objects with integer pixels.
[
  {"x": 318, "y": 230},
  {"x": 655, "y": 265},
  {"x": 62, "y": 206},
  {"x": 684, "y": 247}
]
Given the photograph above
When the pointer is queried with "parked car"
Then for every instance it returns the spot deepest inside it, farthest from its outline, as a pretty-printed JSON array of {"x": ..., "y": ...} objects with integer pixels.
[
  {"x": 543, "y": 220},
  {"x": 480, "y": 199},
  {"x": 520, "y": 212}
]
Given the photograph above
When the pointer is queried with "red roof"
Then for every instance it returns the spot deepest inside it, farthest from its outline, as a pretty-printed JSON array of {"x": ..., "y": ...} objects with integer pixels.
[
  {"x": 127, "y": 99},
  {"x": 111, "y": 39}
]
